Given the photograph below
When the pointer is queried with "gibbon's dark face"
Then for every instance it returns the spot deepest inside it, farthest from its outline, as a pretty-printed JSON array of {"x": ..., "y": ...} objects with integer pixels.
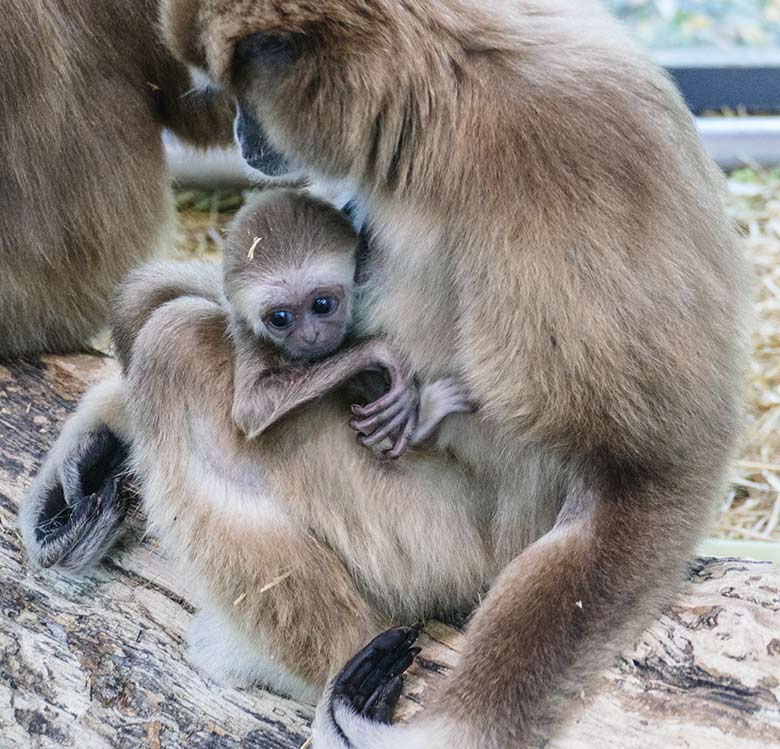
[
  {"x": 309, "y": 325},
  {"x": 264, "y": 59},
  {"x": 255, "y": 148}
]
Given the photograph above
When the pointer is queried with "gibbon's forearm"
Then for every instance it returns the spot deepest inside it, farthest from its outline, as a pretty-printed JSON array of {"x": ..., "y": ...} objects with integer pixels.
[{"x": 264, "y": 398}]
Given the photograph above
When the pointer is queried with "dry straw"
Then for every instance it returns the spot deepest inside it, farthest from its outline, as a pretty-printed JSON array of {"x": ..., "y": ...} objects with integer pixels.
[{"x": 751, "y": 509}]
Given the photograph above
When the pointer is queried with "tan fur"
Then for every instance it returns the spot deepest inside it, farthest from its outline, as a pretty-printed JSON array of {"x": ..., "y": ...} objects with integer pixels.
[
  {"x": 281, "y": 240},
  {"x": 539, "y": 198},
  {"x": 293, "y": 232},
  {"x": 86, "y": 88},
  {"x": 240, "y": 514},
  {"x": 240, "y": 539},
  {"x": 303, "y": 571}
]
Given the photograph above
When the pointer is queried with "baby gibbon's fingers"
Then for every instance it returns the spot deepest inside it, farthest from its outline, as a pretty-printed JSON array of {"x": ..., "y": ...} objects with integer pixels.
[
  {"x": 397, "y": 389},
  {"x": 369, "y": 425},
  {"x": 404, "y": 442},
  {"x": 396, "y": 422}
]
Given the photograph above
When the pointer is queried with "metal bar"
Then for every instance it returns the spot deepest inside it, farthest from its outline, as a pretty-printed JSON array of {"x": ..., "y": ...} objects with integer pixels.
[
  {"x": 713, "y": 89},
  {"x": 739, "y": 141},
  {"x": 214, "y": 168},
  {"x": 760, "y": 551},
  {"x": 714, "y": 79}
]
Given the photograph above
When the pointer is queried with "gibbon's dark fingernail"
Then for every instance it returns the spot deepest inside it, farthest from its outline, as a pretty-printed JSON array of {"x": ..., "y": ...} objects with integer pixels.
[
  {"x": 386, "y": 700},
  {"x": 401, "y": 665},
  {"x": 373, "y": 701},
  {"x": 390, "y": 665}
]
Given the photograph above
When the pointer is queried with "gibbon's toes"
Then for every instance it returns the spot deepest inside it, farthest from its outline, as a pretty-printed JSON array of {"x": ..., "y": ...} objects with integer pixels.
[
  {"x": 381, "y": 706},
  {"x": 371, "y": 682},
  {"x": 101, "y": 457},
  {"x": 82, "y": 513}
]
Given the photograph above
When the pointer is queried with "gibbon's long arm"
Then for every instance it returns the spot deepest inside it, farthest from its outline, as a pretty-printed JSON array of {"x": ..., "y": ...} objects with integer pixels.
[
  {"x": 596, "y": 568},
  {"x": 263, "y": 395}
]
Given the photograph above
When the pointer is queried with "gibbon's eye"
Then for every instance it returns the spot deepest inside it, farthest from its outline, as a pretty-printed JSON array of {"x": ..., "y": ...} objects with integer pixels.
[
  {"x": 268, "y": 48},
  {"x": 281, "y": 318},
  {"x": 324, "y": 305}
]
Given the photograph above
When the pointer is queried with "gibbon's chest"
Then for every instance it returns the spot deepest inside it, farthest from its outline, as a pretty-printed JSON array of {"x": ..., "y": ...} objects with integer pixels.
[{"x": 407, "y": 291}]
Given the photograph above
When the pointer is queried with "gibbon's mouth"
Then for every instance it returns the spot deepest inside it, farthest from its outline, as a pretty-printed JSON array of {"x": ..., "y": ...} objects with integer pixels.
[
  {"x": 255, "y": 148},
  {"x": 313, "y": 354}
]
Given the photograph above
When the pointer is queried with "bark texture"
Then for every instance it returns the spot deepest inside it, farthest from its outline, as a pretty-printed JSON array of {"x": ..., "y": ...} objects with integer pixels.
[{"x": 102, "y": 662}]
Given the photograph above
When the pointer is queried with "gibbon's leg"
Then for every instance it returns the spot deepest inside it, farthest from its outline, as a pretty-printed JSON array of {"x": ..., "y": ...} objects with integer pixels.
[
  {"x": 151, "y": 286},
  {"x": 73, "y": 513},
  {"x": 600, "y": 569},
  {"x": 219, "y": 649}
]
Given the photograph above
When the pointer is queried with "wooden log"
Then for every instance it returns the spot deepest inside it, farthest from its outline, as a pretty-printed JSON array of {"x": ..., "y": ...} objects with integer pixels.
[{"x": 102, "y": 662}]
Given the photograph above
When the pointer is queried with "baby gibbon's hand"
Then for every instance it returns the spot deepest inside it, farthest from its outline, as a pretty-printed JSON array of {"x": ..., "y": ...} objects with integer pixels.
[{"x": 394, "y": 415}]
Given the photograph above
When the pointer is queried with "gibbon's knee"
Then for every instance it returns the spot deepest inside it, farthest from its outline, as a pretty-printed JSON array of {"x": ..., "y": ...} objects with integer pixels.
[{"x": 149, "y": 287}]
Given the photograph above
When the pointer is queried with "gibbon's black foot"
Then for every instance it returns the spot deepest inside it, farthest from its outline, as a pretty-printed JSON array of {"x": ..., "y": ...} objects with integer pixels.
[
  {"x": 371, "y": 682},
  {"x": 82, "y": 512}
]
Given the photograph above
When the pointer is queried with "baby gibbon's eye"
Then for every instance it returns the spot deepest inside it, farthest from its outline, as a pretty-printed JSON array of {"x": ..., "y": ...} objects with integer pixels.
[
  {"x": 324, "y": 305},
  {"x": 281, "y": 318}
]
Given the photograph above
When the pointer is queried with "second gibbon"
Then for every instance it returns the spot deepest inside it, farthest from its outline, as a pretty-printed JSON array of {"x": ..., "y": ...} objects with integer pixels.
[{"x": 84, "y": 188}]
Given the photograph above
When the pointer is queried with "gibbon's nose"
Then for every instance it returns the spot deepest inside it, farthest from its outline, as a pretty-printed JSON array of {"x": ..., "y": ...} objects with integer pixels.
[{"x": 310, "y": 336}]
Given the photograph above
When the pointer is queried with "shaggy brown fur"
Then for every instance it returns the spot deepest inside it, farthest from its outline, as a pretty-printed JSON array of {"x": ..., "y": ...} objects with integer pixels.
[
  {"x": 540, "y": 199},
  {"x": 86, "y": 89}
]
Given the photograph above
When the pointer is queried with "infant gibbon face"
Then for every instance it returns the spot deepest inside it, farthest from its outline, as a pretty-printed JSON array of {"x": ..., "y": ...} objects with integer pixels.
[
  {"x": 288, "y": 273},
  {"x": 305, "y": 320}
]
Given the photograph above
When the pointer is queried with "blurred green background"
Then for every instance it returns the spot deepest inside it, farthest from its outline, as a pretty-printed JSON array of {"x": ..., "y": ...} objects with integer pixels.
[{"x": 688, "y": 23}]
